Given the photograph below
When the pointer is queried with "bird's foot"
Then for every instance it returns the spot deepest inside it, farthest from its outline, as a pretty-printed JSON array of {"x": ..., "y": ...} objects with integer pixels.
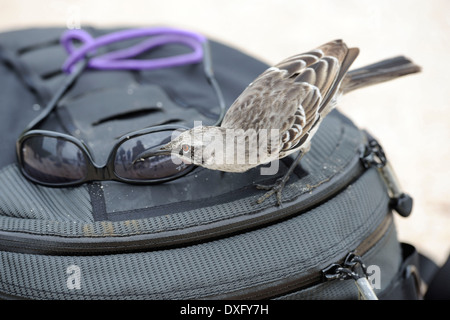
[{"x": 276, "y": 188}]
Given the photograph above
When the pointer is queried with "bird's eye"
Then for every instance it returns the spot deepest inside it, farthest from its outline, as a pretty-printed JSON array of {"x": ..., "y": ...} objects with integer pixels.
[{"x": 185, "y": 148}]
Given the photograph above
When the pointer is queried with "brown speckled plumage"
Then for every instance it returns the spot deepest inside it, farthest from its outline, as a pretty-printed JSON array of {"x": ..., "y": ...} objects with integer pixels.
[{"x": 290, "y": 96}]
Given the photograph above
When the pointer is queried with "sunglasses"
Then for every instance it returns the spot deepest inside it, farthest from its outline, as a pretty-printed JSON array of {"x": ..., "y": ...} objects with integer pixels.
[{"x": 56, "y": 159}]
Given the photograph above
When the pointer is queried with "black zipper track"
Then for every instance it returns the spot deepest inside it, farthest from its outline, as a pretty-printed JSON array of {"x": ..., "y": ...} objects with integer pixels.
[
  {"x": 55, "y": 245},
  {"x": 294, "y": 284}
]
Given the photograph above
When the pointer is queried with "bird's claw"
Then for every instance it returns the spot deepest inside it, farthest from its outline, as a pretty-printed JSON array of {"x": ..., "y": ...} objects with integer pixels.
[
  {"x": 276, "y": 188},
  {"x": 263, "y": 187}
]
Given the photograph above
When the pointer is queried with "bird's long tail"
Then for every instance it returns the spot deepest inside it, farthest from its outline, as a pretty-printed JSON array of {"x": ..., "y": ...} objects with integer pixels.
[{"x": 382, "y": 71}]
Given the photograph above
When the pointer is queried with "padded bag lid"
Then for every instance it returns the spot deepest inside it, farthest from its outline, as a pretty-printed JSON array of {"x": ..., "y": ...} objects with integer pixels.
[{"x": 104, "y": 105}]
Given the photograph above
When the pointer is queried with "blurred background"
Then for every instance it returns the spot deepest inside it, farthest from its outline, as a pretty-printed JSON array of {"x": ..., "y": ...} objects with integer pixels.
[{"x": 409, "y": 116}]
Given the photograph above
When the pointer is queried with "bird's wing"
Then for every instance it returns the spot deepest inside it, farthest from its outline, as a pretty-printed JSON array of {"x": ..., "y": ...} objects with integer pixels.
[
  {"x": 319, "y": 74},
  {"x": 291, "y": 95}
]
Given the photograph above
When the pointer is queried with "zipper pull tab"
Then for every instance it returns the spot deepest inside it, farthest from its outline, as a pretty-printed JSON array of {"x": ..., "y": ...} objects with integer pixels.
[
  {"x": 345, "y": 272},
  {"x": 365, "y": 289},
  {"x": 374, "y": 155}
]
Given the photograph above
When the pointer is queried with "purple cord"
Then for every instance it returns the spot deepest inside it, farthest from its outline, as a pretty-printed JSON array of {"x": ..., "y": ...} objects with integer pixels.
[{"x": 119, "y": 59}]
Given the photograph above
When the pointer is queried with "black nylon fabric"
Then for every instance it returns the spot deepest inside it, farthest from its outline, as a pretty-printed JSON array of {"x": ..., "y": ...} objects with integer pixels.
[
  {"x": 31, "y": 72},
  {"x": 94, "y": 109},
  {"x": 265, "y": 257},
  {"x": 98, "y": 108}
]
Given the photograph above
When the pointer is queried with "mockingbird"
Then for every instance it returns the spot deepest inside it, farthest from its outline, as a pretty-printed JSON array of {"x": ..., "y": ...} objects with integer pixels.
[{"x": 280, "y": 111}]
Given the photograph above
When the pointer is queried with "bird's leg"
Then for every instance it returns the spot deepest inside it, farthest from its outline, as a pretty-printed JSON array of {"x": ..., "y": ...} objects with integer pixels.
[{"x": 278, "y": 186}]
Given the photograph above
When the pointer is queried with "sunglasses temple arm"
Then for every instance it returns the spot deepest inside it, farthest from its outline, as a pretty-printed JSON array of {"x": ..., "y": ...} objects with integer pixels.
[
  {"x": 208, "y": 69},
  {"x": 68, "y": 82}
]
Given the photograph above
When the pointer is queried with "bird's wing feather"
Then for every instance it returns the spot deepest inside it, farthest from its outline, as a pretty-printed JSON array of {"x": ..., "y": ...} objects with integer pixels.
[
  {"x": 320, "y": 79},
  {"x": 291, "y": 96}
]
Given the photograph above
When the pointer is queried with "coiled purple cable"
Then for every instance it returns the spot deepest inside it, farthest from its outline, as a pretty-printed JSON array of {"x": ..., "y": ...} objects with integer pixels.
[{"x": 122, "y": 59}]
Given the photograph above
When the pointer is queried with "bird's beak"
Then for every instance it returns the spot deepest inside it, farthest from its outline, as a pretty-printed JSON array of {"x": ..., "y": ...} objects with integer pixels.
[{"x": 159, "y": 151}]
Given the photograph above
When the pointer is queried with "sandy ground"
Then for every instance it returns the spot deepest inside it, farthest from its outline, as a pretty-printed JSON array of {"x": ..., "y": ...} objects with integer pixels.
[{"x": 410, "y": 116}]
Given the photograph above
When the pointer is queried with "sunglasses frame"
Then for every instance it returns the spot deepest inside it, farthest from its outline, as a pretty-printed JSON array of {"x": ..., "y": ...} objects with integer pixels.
[{"x": 96, "y": 172}]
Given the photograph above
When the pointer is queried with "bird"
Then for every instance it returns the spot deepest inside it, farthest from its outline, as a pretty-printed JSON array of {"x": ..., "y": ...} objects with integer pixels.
[{"x": 289, "y": 100}]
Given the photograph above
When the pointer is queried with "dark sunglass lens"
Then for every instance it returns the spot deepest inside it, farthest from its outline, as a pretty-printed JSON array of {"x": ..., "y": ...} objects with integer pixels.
[
  {"x": 157, "y": 167},
  {"x": 53, "y": 160}
]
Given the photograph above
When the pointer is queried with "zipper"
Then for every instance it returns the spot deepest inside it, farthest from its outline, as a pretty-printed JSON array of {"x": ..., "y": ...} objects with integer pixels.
[
  {"x": 347, "y": 270},
  {"x": 55, "y": 245},
  {"x": 347, "y": 266},
  {"x": 373, "y": 156}
]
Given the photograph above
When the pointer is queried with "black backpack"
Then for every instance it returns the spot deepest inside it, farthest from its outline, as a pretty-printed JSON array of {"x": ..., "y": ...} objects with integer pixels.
[{"x": 202, "y": 236}]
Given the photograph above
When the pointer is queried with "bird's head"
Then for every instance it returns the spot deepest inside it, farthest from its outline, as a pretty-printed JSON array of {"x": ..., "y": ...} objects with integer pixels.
[{"x": 196, "y": 146}]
